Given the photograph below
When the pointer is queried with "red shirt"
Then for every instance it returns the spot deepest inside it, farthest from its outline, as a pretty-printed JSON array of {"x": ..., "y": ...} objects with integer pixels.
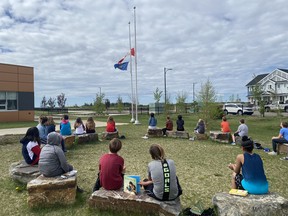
[
  {"x": 169, "y": 125},
  {"x": 110, "y": 126},
  {"x": 111, "y": 167},
  {"x": 225, "y": 127}
]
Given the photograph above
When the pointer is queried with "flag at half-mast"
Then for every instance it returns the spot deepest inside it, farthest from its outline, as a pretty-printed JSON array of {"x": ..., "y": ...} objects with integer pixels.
[{"x": 123, "y": 65}]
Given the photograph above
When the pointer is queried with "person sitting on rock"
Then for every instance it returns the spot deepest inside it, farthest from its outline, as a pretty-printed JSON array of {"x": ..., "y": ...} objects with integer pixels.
[
  {"x": 169, "y": 125},
  {"x": 31, "y": 146},
  {"x": 79, "y": 127},
  {"x": 111, "y": 126},
  {"x": 225, "y": 126},
  {"x": 253, "y": 178},
  {"x": 65, "y": 126},
  {"x": 180, "y": 123},
  {"x": 281, "y": 138},
  {"x": 42, "y": 129},
  {"x": 152, "y": 122},
  {"x": 241, "y": 131},
  {"x": 111, "y": 168},
  {"x": 162, "y": 183},
  {"x": 90, "y": 125},
  {"x": 200, "y": 128}
]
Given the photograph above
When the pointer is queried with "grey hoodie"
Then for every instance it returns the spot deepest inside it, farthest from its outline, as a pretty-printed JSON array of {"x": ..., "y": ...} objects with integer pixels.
[{"x": 52, "y": 158}]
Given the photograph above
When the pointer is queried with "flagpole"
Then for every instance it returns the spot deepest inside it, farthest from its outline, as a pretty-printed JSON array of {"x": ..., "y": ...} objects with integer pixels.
[
  {"x": 135, "y": 55},
  {"x": 132, "y": 92}
]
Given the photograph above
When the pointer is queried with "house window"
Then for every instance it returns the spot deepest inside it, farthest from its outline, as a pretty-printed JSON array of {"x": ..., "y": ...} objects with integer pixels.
[
  {"x": 278, "y": 86},
  {"x": 8, "y": 101},
  {"x": 270, "y": 86}
]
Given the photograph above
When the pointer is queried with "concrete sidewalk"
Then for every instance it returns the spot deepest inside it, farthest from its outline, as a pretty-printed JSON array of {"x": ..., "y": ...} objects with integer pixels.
[{"x": 24, "y": 129}]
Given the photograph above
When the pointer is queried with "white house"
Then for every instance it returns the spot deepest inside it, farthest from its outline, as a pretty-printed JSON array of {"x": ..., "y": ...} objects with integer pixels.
[{"x": 274, "y": 86}]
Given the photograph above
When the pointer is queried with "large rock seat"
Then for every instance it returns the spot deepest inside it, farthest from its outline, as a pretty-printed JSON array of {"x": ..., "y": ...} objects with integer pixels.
[
  {"x": 282, "y": 148},
  {"x": 23, "y": 172},
  {"x": 199, "y": 136},
  {"x": 86, "y": 138},
  {"x": 44, "y": 191},
  {"x": 178, "y": 134},
  {"x": 219, "y": 136},
  {"x": 157, "y": 132},
  {"x": 69, "y": 141},
  {"x": 10, "y": 138},
  {"x": 141, "y": 204},
  {"x": 256, "y": 205},
  {"x": 110, "y": 135}
]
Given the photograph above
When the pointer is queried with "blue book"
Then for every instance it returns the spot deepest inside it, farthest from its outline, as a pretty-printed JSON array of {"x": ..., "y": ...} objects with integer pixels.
[{"x": 131, "y": 184}]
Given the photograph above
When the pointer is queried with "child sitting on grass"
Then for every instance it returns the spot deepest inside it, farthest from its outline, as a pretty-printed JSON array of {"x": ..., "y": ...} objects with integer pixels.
[{"x": 111, "y": 168}]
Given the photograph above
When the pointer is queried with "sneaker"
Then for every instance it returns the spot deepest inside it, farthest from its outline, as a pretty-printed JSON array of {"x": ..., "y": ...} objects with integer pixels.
[
  {"x": 284, "y": 158},
  {"x": 233, "y": 143},
  {"x": 272, "y": 153}
]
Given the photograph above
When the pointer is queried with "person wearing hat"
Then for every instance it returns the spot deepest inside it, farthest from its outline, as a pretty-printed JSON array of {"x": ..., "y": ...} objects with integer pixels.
[
  {"x": 253, "y": 178},
  {"x": 52, "y": 158}
]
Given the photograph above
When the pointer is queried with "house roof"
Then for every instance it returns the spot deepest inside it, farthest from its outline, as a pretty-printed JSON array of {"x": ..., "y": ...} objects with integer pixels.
[
  {"x": 258, "y": 78},
  {"x": 285, "y": 70}
]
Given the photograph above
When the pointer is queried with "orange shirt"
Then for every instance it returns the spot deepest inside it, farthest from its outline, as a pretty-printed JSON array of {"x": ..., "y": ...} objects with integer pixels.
[{"x": 225, "y": 127}]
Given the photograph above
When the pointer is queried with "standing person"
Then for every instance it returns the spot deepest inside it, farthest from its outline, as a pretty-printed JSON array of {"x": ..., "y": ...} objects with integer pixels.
[
  {"x": 65, "y": 126},
  {"x": 200, "y": 128},
  {"x": 79, "y": 126},
  {"x": 42, "y": 129},
  {"x": 111, "y": 168},
  {"x": 162, "y": 183},
  {"x": 90, "y": 125},
  {"x": 180, "y": 123},
  {"x": 225, "y": 126},
  {"x": 241, "y": 131},
  {"x": 152, "y": 122},
  {"x": 169, "y": 125},
  {"x": 31, "y": 146},
  {"x": 281, "y": 138},
  {"x": 253, "y": 178},
  {"x": 111, "y": 126}
]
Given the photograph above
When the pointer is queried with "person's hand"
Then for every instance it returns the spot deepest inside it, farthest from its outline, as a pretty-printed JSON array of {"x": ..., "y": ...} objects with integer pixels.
[
  {"x": 124, "y": 169},
  {"x": 144, "y": 183},
  {"x": 231, "y": 166}
]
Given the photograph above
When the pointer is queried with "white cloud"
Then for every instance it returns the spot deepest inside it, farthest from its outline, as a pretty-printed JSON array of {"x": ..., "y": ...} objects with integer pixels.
[{"x": 73, "y": 45}]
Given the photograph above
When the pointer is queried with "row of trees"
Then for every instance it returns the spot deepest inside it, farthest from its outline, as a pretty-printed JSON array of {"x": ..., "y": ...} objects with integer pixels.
[{"x": 51, "y": 102}]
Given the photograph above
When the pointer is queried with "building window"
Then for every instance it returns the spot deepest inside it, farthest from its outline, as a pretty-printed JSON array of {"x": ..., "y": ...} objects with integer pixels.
[
  {"x": 270, "y": 86},
  {"x": 8, "y": 101},
  {"x": 278, "y": 85}
]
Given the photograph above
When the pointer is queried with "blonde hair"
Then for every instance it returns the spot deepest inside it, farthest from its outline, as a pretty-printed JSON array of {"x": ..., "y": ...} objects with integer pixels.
[
  {"x": 110, "y": 118},
  {"x": 90, "y": 124},
  {"x": 50, "y": 120},
  {"x": 157, "y": 152}
]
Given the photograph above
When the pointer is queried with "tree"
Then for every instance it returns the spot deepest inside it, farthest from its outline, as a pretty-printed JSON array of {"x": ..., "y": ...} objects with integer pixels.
[
  {"x": 207, "y": 101},
  {"x": 120, "y": 105},
  {"x": 61, "y": 100},
  {"x": 157, "y": 95},
  {"x": 51, "y": 102},
  {"x": 107, "y": 104},
  {"x": 180, "y": 102},
  {"x": 257, "y": 95},
  {"x": 99, "y": 105},
  {"x": 232, "y": 98},
  {"x": 43, "y": 102}
]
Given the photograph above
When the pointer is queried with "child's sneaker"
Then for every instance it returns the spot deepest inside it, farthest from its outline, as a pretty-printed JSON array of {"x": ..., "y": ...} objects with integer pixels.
[
  {"x": 272, "y": 153},
  {"x": 284, "y": 158},
  {"x": 233, "y": 143}
]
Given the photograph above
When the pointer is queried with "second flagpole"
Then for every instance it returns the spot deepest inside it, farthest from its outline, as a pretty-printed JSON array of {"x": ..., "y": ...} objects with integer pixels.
[{"x": 132, "y": 90}]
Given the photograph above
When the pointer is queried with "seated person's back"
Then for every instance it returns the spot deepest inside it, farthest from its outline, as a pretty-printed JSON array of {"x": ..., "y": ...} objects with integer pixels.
[
  {"x": 180, "y": 123},
  {"x": 111, "y": 126},
  {"x": 65, "y": 126},
  {"x": 90, "y": 125}
]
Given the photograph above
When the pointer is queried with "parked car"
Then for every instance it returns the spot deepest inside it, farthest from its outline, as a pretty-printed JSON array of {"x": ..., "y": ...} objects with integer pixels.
[
  {"x": 277, "y": 106},
  {"x": 239, "y": 109}
]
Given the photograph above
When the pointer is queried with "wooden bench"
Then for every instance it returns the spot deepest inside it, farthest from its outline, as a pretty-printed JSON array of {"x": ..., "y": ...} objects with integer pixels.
[
  {"x": 110, "y": 135},
  {"x": 178, "y": 134},
  {"x": 86, "y": 138},
  {"x": 142, "y": 204},
  {"x": 155, "y": 132},
  {"x": 220, "y": 136},
  {"x": 44, "y": 191},
  {"x": 69, "y": 141},
  {"x": 282, "y": 148}
]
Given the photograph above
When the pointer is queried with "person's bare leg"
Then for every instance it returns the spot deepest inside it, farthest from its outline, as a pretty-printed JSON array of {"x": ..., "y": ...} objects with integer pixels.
[
  {"x": 233, "y": 138},
  {"x": 233, "y": 183}
]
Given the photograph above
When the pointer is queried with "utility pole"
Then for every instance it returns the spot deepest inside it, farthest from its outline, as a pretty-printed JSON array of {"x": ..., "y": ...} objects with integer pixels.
[
  {"x": 165, "y": 70},
  {"x": 194, "y": 83}
]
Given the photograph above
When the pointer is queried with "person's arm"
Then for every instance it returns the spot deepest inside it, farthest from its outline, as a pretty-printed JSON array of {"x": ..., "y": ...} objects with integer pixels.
[
  {"x": 238, "y": 164},
  {"x": 62, "y": 159},
  {"x": 279, "y": 136}
]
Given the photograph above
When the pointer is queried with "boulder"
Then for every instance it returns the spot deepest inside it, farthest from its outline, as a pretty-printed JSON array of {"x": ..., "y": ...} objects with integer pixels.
[
  {"x": 220, "y": 136},
  {"x": 44, "y": 191},
  {"x": 23, "y": 172},
  {"x": 69, "y": 141},
  {"x": 141, "y": 204},
  {"x": 110, "y": 135},
  {"x": 155, "y": 132},
  {"x": 199, "y": 136},
  {"x": 178, "y": 134},
  {"x": 10, "y": 138},
  {"x": 256, "y": 205},
  {"x": 282, "y": 148},
  {"x": 86, "y": 138}
]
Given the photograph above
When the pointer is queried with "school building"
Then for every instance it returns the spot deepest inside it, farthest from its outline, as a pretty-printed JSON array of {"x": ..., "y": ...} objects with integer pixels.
[{"x": 16, "y": 93}]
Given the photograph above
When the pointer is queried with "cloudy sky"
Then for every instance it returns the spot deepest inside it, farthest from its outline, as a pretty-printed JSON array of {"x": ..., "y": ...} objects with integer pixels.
[{"x": 73, "y": 45}]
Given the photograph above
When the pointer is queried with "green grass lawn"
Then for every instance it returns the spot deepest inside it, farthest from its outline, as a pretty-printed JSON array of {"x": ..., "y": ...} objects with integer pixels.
[{"x": 201, "y": 165}]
